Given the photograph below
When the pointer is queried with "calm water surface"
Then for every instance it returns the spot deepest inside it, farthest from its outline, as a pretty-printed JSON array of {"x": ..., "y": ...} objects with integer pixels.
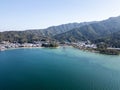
[{"x": 58, "y": 69}]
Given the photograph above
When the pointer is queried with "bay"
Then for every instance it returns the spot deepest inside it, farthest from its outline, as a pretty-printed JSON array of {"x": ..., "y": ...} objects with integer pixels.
[{"x": 64, "y": 68}]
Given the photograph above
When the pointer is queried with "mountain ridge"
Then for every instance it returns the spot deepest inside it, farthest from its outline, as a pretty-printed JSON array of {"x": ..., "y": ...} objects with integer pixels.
[
  {"x": 94, "y": 30},
  {"x": 72, "y": 32}
]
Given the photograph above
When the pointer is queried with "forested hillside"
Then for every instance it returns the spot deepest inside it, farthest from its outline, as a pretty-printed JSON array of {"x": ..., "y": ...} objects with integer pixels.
[{"x": 107, "y": 31}]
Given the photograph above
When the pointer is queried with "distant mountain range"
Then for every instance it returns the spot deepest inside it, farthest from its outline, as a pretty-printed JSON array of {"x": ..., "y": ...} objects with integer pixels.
[
  {"x": 106, "y": 30},
  {"x": 92, "y": 31},
  {"x": 37, "y": 34}
]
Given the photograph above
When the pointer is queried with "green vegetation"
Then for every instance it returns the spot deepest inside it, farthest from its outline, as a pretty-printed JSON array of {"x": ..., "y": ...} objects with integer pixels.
[
  {"x": 112, "y": 40},
  {"x": 102, "y": 48},
  {"x": 52, "y": 44},
  {"x": 22, "y": 36},
  {"x": 107, "y": 31},
  {"x": 37, "y": 35},
  {"x": 109, "y": 52}
]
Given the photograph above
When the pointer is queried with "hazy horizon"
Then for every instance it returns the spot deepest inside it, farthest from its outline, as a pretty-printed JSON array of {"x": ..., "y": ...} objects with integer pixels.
[
  {"x": 54, "y": 25},
  {"x": 40, "y": 14}
]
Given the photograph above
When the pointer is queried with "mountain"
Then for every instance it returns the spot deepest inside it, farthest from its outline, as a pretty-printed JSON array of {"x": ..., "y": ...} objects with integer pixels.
[
  {"x": 91, "y": 31},
  {"x": 55, "y": 30},
  {"x": 38, "y": 34},
  {"x": 94, "y": 31},
  {"x": 112, "y": 40}
]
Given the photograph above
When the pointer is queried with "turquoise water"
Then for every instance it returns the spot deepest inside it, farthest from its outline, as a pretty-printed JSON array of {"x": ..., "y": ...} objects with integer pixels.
[{"x": 58, "y": 69}]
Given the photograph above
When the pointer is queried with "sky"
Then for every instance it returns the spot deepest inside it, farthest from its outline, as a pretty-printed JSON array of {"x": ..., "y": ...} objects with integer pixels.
[{"x": 39, "y": 14}]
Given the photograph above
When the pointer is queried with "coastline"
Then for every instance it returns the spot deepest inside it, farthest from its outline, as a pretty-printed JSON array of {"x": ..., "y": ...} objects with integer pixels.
[
  {"x": 106, "y": 51},
  {"x": 19, "y": 48},
  {"x": 28, "y": 48},
  {"x": 92, "y": 50}
]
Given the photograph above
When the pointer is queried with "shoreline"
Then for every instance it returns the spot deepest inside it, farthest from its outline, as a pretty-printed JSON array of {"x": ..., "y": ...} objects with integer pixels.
[
  {"x": 92, "y": 50},
  {"x": 27, "y": 48},
  {"x": 19, "y": 48},
  {"x": 99, "y": 52},
  {"x": 105, "y": 51}
]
